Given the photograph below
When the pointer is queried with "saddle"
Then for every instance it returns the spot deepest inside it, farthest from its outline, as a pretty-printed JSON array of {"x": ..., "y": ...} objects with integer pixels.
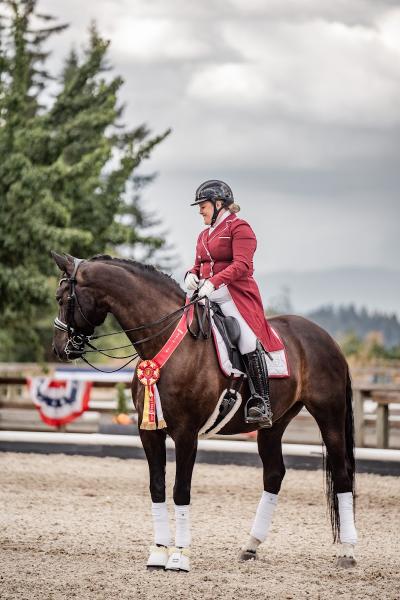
[
  {"x": 209, "y": 315},
  {"x": 229, "y": 329}
]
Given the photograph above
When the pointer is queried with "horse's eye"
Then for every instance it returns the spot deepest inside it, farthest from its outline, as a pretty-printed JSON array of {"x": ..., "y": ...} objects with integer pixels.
[{"x": 59, "y": 300}]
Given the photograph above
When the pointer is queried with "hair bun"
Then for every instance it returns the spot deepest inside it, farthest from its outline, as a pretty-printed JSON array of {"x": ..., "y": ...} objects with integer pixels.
[{"x": 234, "y": 208}]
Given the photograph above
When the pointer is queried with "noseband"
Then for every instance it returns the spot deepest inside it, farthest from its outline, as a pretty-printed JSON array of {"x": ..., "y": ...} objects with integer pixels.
[{"x": 76, "y": 341}]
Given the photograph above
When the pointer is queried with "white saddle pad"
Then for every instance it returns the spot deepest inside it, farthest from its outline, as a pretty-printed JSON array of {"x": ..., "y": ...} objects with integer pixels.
[{"x": 277, "y": 364}]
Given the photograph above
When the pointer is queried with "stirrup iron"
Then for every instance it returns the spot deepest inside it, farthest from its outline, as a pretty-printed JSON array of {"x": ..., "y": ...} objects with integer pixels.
[{"x": 259, "y": 412}]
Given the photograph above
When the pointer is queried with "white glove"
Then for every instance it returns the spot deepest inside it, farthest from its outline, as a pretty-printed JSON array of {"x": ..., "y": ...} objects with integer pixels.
[
  {"x": 206, "y": 289},
  {"x": 191, "y": 281}
]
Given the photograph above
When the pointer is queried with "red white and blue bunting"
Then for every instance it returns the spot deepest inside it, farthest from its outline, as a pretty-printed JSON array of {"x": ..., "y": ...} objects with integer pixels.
[{"x": 59, "y": 402}]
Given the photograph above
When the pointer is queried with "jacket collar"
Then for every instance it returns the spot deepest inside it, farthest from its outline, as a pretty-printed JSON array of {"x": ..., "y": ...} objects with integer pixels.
[
  {"x": 210, "y": 235},
  {"x": 220, "y": 219}
]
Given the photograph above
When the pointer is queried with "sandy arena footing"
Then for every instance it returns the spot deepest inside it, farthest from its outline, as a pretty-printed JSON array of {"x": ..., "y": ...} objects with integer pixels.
[{"x": 80, "y": 527}]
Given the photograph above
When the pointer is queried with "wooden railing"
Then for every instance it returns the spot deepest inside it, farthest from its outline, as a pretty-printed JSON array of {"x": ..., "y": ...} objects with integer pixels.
[
  {"x": 383, "y": 395},
  {"x": 13, "y": 395}
]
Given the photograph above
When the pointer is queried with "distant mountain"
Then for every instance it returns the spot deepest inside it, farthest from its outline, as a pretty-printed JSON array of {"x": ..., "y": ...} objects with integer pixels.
[
  {"x": 342, "y": 320},
  {"x": 369, "y": 287}
]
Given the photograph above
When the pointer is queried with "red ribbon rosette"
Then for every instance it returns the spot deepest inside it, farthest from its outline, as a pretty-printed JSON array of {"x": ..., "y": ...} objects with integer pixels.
[{"x": 148, "y": 373}]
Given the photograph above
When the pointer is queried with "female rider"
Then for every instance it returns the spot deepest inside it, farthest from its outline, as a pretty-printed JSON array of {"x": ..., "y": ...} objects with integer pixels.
[{"x": 223, "y": 272}]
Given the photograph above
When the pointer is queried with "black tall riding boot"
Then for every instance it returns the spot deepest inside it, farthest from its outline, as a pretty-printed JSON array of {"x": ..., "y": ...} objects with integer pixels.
[{"x": 258, "y": 407}]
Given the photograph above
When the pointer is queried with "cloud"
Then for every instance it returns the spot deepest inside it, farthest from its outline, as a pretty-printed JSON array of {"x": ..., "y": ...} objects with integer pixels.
[
  {"x": 389, "y": 29},
  {"x": 156, "y": 39},
  {"x": 364, "y": 12},
  {"x": 229, "y": 83},
  {"x": 293, "y": 102},
  {"x": 315, "y": 70}
]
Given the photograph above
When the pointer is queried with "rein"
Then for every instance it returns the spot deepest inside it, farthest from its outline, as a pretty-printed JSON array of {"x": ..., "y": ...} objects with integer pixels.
[
  {"x": 203, "y": 321},
  {"x": 77, "y": 341}
]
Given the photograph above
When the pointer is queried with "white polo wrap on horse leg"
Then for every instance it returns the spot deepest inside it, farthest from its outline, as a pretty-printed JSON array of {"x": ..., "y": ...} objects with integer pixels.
[
  {"x": 347, "y": 532},
  {"x": 182, "y": 526},
  {"x": 179, "y": 557},
  {"x": 263, "y": 518},
  {"x": 162, "y": 533}
]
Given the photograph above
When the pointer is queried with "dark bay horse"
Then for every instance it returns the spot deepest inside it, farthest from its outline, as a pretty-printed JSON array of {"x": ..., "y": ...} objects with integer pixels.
[{"x": 191, "y": 383}]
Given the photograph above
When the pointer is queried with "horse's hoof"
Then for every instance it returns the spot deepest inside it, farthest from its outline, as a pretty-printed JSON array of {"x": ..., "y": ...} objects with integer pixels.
[
  {"x": 345, "y": 556},
  {"x": 346, "y": 562},
  {"x": 179, "y": 560},
  {"x": 248, "y": 555},
  {"x": 158, "y": 558}
]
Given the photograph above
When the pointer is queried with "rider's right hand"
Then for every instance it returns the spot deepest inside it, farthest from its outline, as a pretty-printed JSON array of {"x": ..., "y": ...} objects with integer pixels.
[{"x": 191, "y": 282}]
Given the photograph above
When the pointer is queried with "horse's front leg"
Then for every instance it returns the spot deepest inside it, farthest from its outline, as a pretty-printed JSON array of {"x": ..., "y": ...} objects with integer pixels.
[
  {"x": 185, "y": 451},
  {"x": 155, "y": 450}
]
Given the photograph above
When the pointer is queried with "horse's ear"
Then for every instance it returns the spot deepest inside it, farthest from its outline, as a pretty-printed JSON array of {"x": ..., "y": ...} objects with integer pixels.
[{"x": 64, "y": 262}]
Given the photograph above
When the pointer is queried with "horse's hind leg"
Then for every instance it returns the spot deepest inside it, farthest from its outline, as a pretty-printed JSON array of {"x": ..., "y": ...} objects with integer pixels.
[
  {"x": 270, "y": 450},
  {"x": 335, "y": 423},
  {"x": 155, "y": 450}
]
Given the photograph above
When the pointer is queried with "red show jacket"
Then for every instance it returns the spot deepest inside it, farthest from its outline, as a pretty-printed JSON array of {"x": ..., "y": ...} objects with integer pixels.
[{"x": 226, "y": 258}]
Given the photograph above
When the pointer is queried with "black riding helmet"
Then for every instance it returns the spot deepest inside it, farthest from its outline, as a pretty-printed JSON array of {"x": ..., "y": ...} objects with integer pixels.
[{"x": 213, "y": 190}]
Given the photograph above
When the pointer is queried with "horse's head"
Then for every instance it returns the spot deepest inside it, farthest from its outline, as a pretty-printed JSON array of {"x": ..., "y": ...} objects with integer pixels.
[{"x": 81, "y": 307}]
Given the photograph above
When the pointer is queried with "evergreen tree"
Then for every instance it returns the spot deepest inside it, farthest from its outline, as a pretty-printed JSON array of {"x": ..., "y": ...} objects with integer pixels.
[
  {"x": 343, "y": 320},
  {"x": 67, "y": 170},
  {"x": 30, "y": 218},
  {"x": 88, "y": 136}
]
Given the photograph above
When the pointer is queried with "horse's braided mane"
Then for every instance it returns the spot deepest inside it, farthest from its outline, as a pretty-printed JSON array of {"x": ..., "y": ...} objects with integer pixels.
[{"x": 133, "y": 265}]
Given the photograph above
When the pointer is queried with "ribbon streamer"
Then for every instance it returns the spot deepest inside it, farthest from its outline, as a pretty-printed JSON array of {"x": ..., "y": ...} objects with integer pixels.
[{"x": 149, "y": 371}]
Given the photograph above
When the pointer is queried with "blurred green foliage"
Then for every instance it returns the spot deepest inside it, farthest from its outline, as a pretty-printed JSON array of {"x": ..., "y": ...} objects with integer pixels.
[
  {"x": 122, "y": 403},
  {"x": 368, "y": 348},
  {"x": 68, "y": 177}
]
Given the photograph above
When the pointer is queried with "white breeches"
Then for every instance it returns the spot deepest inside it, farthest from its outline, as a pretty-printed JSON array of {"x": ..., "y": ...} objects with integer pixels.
[{"x": 248, "y": 339}]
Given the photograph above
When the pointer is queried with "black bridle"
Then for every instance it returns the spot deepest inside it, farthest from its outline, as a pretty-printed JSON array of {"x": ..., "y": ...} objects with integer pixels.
[{"x": 77, "y": 340}]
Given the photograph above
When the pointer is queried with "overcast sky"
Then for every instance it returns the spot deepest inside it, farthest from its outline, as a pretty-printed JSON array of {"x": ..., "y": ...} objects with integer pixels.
[{"x": 295, "y": 103}]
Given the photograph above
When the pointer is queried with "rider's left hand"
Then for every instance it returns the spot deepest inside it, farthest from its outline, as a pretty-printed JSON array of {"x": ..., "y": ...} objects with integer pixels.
[{"x": 206, "y": 289}]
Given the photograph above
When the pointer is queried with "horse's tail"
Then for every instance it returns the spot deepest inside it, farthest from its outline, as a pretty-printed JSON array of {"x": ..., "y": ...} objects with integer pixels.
[{"x": 350, "y": 462}]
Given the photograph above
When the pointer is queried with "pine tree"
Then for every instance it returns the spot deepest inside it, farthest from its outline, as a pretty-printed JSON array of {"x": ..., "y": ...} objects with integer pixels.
[
  {"x": 85, "y": 120},
  {"x": 31, "y": 218},
  {"x": 67, "y": 170}
]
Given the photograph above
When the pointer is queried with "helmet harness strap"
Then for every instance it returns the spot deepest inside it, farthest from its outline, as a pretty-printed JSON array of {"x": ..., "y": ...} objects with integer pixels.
[{"x": 216, "y": 213}]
